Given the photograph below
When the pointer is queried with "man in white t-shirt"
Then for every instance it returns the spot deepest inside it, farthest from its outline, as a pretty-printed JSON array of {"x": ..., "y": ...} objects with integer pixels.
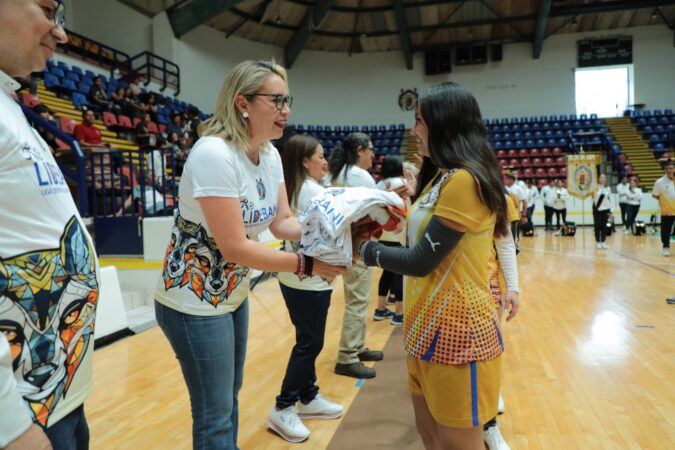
[
  {"x": 664, "y": 192},
  {"x": 546, "y": 194},
  {"x": 48, "y": 268}
]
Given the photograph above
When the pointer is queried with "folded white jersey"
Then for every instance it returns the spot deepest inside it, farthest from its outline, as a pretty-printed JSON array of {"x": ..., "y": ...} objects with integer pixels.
[{"x": 326, "y": 223}]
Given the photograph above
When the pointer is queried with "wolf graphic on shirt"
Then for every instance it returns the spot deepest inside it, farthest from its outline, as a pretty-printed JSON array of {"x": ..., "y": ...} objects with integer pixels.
[
  {"x": 193, "y": 261},
  {"x": 47, "y": 307}
]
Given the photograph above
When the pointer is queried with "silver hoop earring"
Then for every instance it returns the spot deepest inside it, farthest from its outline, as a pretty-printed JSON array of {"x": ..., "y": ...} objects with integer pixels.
[{"x": 244, "y": 115}]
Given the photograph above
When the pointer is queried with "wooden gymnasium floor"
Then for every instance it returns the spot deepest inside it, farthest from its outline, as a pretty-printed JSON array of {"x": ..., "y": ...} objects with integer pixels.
[{"x": 589, "y": 362}]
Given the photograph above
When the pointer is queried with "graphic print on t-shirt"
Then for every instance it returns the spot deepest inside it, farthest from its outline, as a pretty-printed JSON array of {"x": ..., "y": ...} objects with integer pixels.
[
  {"x": 193, "y": 260},
  {"x": 47, "y": 306},
  {"x": 260, "y": 187}
]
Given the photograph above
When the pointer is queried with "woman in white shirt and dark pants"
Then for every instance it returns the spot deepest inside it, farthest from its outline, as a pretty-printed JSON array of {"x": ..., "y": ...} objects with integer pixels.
[
  {"x": 633, "y": 199},
  {"x": 602, "y": 206}
]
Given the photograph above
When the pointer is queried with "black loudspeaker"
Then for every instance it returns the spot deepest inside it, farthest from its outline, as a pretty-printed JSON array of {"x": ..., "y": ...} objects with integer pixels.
[
  {"x": 479, "y": 54},
  {"x": 476, "y": 54},
  {"x": 569, "y": 229},
  {"x": 497, "y": 52},
  {"x": 639, "y": 228},
  {"x": 437, "y": 62}
]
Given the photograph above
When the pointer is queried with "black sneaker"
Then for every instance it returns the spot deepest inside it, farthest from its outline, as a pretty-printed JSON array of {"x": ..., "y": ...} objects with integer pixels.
[
  {"x": 381, "y": 314},
  {"x": 371, "y": 355},
  {"x": 670, "y": 300},
  {"x": 356, "y": 370},
  {"x": 397, "y": 319}
]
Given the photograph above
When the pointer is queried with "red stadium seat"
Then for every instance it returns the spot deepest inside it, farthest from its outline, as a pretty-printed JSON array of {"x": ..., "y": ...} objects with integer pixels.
[
  {"x": 162, "y": 128},
  {"x": 563, "y": 171},
  {"x": 560, "y": 161},
  {"x": 503, "y": 163},
  {"x": 540, "y": 172},
  {"x": 552, "y": 172},
  {"x": 514, "y": 162},
  {"x": 501, "y": 154},
  {"x": 124, "y": 121},
  {"x": 67, "y": 124},
  {"x": 30, "y": 100},
  {"x": 525, "y": 162},
  {"x": 137, "y": 120},
  {"x": 536, "y": 162},
  {"x": 545, "y": 152},
  {"x": 152, "y": 128},
  {"x": 109, "y": 119},
  {"x": 557, "y": 151},
  {"x": 534, "y": 152},
  {"x": 528, "y": 173},
  {"x": 548, "y": 162},
  {"x": 512, "y": 153},
  {"x": 523, "y": 153}
]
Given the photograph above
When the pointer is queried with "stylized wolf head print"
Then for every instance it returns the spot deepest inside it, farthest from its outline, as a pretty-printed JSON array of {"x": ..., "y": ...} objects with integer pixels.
[
  {"x": 193, "y": 260},
  {"x": 47, "y": 307}
]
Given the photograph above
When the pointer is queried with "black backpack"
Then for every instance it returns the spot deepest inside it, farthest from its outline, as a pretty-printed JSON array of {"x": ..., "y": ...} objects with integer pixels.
[{"x": 639, "y": 228}]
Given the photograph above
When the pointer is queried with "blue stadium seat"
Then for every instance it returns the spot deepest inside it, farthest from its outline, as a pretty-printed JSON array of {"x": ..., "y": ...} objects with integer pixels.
[{"x": 79, "y": 100}]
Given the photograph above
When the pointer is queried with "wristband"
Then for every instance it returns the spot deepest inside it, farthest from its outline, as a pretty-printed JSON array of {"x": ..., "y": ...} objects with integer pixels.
[{"x": 300, "y": 267}]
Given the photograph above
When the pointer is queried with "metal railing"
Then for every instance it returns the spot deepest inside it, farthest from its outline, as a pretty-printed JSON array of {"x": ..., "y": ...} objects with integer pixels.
[{"x": 151, "y": 67}]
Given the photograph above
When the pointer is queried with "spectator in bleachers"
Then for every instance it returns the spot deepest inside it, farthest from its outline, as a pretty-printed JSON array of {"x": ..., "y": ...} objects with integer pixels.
[
  {"x": 87, "y": 134},
  {"x": 633, "y": 200},
  {"x": 134, "y": 86},
  {"x": 176, "y": 126},
  {"x": 97, "y": 95},
  {"x": 193, "y": 122},
  {"x": 120, "y": 103},
  {"x": 136, "y": 109},
  {"x": 152, "y": 106},
  {"x": 147, "y": 195},
  {"x": 143, "y": 136},
  {"x": 49, "y": 282}
]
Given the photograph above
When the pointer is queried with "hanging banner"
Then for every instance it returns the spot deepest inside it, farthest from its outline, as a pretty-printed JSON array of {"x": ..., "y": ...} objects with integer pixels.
[{"x": 581, "y": 175}]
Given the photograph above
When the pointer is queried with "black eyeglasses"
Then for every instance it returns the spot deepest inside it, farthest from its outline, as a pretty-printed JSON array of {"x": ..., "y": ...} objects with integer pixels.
[
  {"x": 56, "y": 15},
  {"x": 278, "y": 99}
]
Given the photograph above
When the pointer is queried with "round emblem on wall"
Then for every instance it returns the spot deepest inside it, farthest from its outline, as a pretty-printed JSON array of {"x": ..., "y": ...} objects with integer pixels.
[{"x": 407, "y": 99}]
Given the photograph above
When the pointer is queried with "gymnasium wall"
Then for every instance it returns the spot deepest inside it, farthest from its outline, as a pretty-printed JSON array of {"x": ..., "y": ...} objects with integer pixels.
[{"x": 334, "y": 88}]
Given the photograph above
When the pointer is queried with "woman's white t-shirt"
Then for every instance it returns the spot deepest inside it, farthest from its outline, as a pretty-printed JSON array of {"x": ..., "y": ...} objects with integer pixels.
[
  {"x": 354, "y": 177},
  {"x": 308, "y": 191},
  {"x": 195, "y": 278}
]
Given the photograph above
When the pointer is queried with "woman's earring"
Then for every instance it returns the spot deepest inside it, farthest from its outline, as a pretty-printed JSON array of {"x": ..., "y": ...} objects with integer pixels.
[{"x": 245, "y": 115}]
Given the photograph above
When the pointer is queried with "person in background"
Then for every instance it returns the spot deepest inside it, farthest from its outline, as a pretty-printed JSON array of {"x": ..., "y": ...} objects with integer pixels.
[
  {"x": 49, "y": 281},
  {"x": 633, "y": 200},
  {"x": 88, "y": 134},
  {"x": 349, "y": 165},
  {"x": 621, "y": 189},
  {"x": 532, "y": 196},
  {"x": 559, "y": 204},
  {"x": 664, "y": 192},
  {"x": 390, "y": 285},
  {"x": 98, "y": 96},
  {"x": 602, "y": 208},
  {"x": 520, "y": 196},
  {"x": 307, "y": 300},
  {"x": 451, "y": 332},
  {"x": 48, "y": 137},
  {"x": 547, "y": 195},
  {"x": 232, "y": 189}
]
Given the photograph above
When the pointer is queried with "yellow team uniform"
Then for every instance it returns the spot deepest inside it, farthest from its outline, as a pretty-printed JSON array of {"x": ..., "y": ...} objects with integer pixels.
[{"x": 451, "y": 331}]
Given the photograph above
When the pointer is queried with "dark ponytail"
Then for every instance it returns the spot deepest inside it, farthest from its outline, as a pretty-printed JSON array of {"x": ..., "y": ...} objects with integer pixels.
[{"x": 345, "y": 153}]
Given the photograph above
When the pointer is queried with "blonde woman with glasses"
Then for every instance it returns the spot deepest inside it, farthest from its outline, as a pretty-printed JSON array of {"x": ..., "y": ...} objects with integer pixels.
[{"x": 232, "y": 189}]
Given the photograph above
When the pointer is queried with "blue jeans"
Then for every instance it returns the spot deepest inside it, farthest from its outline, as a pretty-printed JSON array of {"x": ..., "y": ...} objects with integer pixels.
[
  {"x": 71, "y": 432},
  {"x": 211, "y": 351}
]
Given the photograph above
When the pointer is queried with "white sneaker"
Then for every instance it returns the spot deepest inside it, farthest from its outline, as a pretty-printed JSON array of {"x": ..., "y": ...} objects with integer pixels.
[
  {"x": 501, "y": 407},
  {"x": 319, "y": 408},
  {"x": 286, "y": 423},
  {"x": 494, "y": 440},
  {"x": 603, "y": 246},
  {"x": 598, "y": 245},
  {"x": 626, "y": 231},
  {"x": 665, "y": 252}
]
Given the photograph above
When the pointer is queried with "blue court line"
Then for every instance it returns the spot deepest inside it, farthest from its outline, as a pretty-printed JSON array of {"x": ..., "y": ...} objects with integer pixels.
[
  {"x": 645, "y": 326},
  {"x": 646, "y": 264},
  {"x": 359, "y": 383}
]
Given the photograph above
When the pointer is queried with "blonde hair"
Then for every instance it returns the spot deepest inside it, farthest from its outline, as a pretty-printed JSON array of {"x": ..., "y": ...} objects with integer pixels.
[{"x": 227, "y": 122}]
